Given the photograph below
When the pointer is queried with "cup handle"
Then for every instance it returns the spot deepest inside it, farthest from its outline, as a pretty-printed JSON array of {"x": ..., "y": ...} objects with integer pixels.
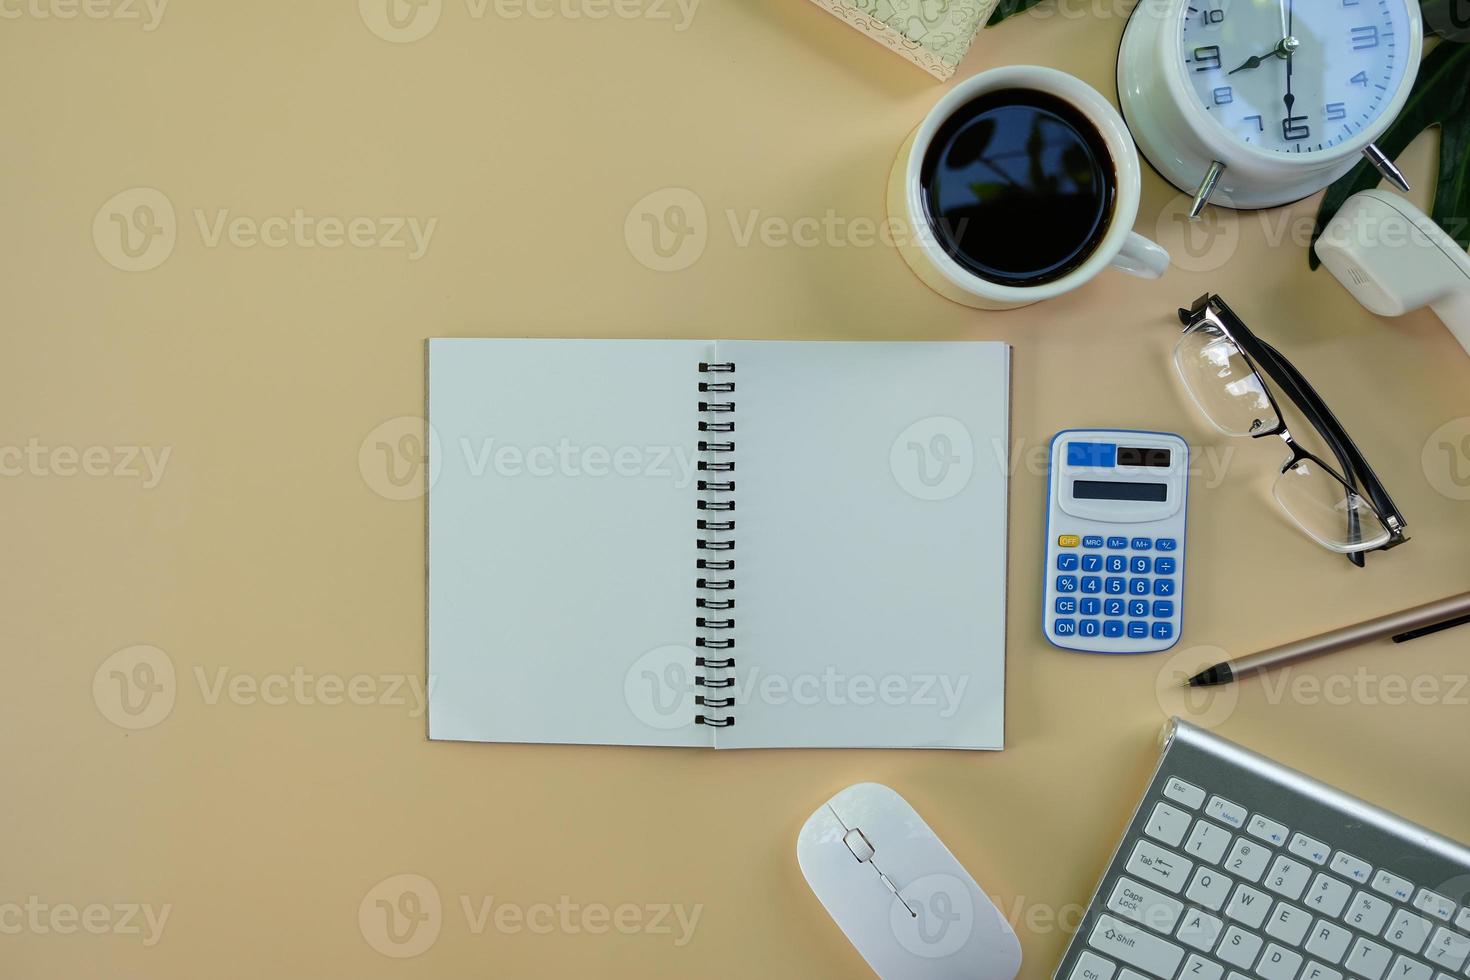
[{"x": 1142, "y": 258}]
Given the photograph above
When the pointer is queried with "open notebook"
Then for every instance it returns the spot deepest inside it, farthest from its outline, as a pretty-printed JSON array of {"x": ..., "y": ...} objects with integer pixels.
[{"x": 731, "y": 544}]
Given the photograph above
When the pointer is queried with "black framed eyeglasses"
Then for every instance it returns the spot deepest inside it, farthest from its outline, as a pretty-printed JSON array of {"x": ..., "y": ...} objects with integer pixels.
[{"x": 1224, "y": 367}]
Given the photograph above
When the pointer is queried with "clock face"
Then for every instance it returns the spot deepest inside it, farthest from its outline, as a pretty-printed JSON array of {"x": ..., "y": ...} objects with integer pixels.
[{"x": 1348, "y": 59}]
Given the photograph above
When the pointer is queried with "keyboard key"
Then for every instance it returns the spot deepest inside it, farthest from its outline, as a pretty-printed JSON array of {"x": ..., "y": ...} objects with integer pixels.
[
  {"x": 1163, "y": 586},
  {"x": 1065, "y": 606},
  {"x": 1348, "y": 866},
  {"x": 1138, "y": 586},
  {"x": 1092, "y": 541},
  {"x": 1462, "y": 921},
  {"x": 1138, "y": 630},
  {"x": 1142, "y": 544},
  {"x": 1117, "y": 543},
  {"x": 1317, "y": 971},
  {"x": 1278, "y": 963},
  {"x": 1200, "y": 930},
  {"x": 1091, "y": 584},
  {"x": 1165, "y": 566},
  {"x": 1135, "y": 947},
  {"x": 1066, "y": 563},
  {"x": 1288, "y": 924},
  {"x": 1266, "y": 829},
  {"x": 1199, "y": 968},
  {"x": 1137, "y": 607},
  {"x": 1448, "y": 950},
  {"x": 1396, "y": 888},
  {"x": 1117, "y": 586},
  {"x": 1140, "y": 565},
  {"x": 1288, "y": 877},
  {"x": 1166, "y": 544},
  {"x": 1168, "y": 824},
  {"x": 1064, "y": 627},
  {"x": 1163, "y": 631},
  {"x": 1068, "y": 541},
  {"x": 1248, "y": 859},
  {"x": 1092, "y": 563},
  {"x": 1208, "y": 842},
  {"x": 1435, "y": 904},
  {"x": 1089, "y": 627},
  {"x": 1090, "y": 966},
  {"x": 1368, "y": 959},
  {"x": 1209, "y": 888},
  {"x": 1367, "y": 913},
  {"x": 1407, "y": 969},
  {"x": 1230, "y": 814},
  {"x": 1408, "y": 931},
  {"x": 1239, "y": 947},
  {"x": 1156, "y": 866},
  {"x": 1187, "y": 793},
  {"x": 1090, "y": 607},
  {"x": 1113, "y": 607},
  {"x": 1163, "y": 609},
  {"x": 1113, "y": 628},
  {"x": 1306, "y": 847},
  {"x": 1116, "y": 564},
  {"x": 1328, "y": 941},
  {"x": 1066, "y": 583},
  {"x": 1145, "y": 905},
  {"x": 1248, "y": 906},
  {"x": 1328, "y": 895}
]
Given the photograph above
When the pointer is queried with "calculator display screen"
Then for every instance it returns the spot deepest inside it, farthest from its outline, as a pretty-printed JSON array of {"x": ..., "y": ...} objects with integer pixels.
[
  {"x": 1108, "y": 490},
  {"x": 1143, "y": 457}
]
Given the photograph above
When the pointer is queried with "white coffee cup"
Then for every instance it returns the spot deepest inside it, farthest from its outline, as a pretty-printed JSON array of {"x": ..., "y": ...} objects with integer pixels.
[{"x": 1120, "y": 246}]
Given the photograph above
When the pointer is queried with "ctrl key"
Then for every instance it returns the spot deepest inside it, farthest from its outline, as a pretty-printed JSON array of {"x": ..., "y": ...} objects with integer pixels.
[
  {"x": 1135, "y": 947},
  {"x": 1090, "y": 966}
]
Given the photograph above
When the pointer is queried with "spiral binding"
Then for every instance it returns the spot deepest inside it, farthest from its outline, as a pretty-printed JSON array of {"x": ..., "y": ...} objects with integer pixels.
[{"x": 716, "y": 545}]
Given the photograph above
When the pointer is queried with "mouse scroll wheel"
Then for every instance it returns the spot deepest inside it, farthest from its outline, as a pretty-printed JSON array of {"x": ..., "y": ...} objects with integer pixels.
[{"x": 857, "y": 843}]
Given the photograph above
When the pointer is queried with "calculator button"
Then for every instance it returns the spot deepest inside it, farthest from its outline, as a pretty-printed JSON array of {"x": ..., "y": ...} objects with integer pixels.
[
  {"x": 1066, "y": 563},
  {"x": 1092, "y": 563},
  {"x": 1089, "y": 627},
  {"x": 1092, "y": 541},
  {"x": 1117, "y": 544},
  {"x": 1138, "y": 630},
  {"x": 1091, "y": 584},
  {"x": 1064, "y": 627},
  {"x": 1163, "y": 586},
  {"x": 1090, "y": 607},
  {"x": 1112, "y": 607},
  {"x": 1117, "y": 586},
  {"x": 1113, "y": 627},
  {"x": 1139, "y": 565},
  {"x": 1066, "y": 607},
  {"x": 1163, "y": 631},
  {"x": 1137, "y": 607},
  {"x": 1068, "y": 541},
  {"x": 1164, "y": 566},
  {"x": 1142, "y": 544},
  {"x": 1116, "y": 563},
  {"x": 1138, "y": 586},
  {"x": 1066, "y": 583},
  {"x": 1166, "y": 544},
  {"x": 1163, "y": 609}
]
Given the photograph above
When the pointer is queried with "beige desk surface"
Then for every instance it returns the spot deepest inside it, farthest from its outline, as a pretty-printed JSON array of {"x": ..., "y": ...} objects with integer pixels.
[{"x": 264, "y": 559}]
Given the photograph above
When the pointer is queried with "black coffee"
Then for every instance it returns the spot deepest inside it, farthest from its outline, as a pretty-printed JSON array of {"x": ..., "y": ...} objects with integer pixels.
[{"x": 1019, "y": 187}]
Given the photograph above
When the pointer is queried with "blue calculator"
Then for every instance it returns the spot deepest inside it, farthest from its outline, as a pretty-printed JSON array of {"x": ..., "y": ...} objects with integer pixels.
[{"x": 1115, "y": 541}]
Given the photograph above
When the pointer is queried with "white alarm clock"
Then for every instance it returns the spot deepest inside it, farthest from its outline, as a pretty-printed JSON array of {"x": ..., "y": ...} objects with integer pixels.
[{"x": 1259, "y": 103}]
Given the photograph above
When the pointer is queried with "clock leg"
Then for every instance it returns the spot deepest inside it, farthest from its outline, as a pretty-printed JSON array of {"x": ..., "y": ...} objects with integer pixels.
[
  {"x": 1386, "y": 167},
  {"x": 1206, "y": 190}
]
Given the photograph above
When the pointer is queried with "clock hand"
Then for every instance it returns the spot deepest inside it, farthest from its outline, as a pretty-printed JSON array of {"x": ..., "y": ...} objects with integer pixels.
[
  {"x": 1290, "y": 99},
  {"x": 1283, "y": 50}
]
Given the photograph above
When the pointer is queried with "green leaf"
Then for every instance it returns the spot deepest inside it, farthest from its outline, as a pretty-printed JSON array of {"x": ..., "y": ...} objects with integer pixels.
[
  {"x": 1439, "y": 98},
  {"x": 1009, "y": 8}
]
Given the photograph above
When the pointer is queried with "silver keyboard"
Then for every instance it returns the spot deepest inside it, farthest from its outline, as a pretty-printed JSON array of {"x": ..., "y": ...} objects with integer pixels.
[{"x": 1235, "y": 867}]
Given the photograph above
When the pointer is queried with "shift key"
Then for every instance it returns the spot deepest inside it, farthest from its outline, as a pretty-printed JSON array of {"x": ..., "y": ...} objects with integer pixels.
[
  {"x": 1157, "y": 866},
  {"x": 1135, "y": 947}
]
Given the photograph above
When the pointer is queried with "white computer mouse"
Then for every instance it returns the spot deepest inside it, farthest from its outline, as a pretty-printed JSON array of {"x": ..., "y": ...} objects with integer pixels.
[{"x": 900, "y": 896}]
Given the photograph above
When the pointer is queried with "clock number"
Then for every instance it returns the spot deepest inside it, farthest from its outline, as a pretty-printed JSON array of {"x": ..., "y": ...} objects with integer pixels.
[
  {"x": 1208, "y": 58},
  {"x": 1365, "y": 38},
  {"x": 1295, "y": 128},
  {"x": 1212, "y": 17},
  {"x": 1260, "y": 123},
  {"x": 1336, "y": 111},
  {"x": 1361, "y": 78},
  {"x": 1224, "y": 95}
]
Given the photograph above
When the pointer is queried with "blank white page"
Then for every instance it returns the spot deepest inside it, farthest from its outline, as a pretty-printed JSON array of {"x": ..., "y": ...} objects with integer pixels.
[
  {"x": 561, "y": 541},
  {"x": 870, "y": 544}
]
